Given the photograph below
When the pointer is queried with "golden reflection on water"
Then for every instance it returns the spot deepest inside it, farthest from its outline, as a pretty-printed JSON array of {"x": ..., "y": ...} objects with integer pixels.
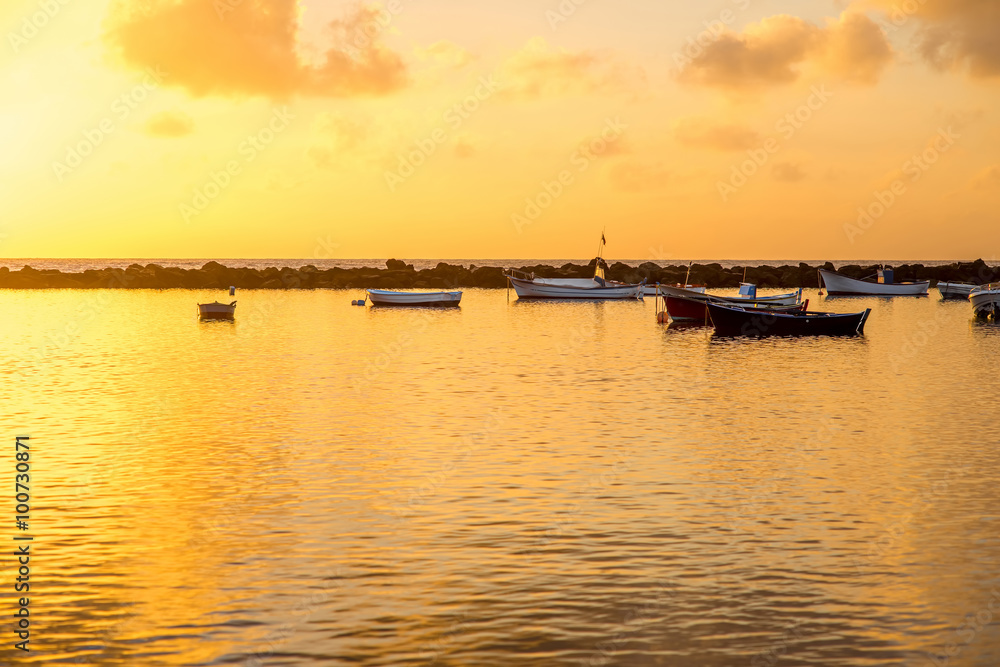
[{"x": 546, "y": 483}]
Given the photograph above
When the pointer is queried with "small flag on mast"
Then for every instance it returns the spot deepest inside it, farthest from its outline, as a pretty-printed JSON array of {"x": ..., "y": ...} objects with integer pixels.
[{"x": 602, "y": 239}]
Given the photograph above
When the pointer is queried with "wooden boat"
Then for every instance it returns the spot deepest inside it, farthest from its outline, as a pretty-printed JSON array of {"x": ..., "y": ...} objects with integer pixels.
[
  {"x": 837, "y": 284},
  {"x": 688, "y": 306},
  {"x": 529, "y": 286},
  {"x": 650, "y": 290},
  {"x": 986, "y": 300},
  {"x": 217, "y": 311},
  {"x": 748, "y": 294},
  {"x": 556, "y": 288},
  {"x": 381, "y": 297},
  {"x": 956, "y": 290},
  {"x": 735, "y": 321}
]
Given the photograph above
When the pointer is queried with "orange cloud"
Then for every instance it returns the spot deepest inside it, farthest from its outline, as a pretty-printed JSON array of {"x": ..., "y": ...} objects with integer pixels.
[
  {"x": 788, "y": 172},
  {"x": 988, "y": 179},
  {"x": 250, "y": 49},
  {"x": 334, "y": 138},
  {"x": 956, "y": 34},
  {"x": 856, "y": 49},
  {"x": 776, "y": 50},
  {"x": 169, "y": 124},
  {"x": 445, "y": 53},
  {"x": 700, "y": 133},
  {"x": 539, "y": 71},
  {"x": 464, "y": 147}
]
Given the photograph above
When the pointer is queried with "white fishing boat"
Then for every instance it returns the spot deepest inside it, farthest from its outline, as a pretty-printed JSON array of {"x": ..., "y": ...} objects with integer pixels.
[
  {"x": 217, "y": 311},
  {"x": 569, "y": 288},
  {"x": 986, "y": 300},
  {"x": 748, "y": 293},
  {"x": 955, "y": 290},
  {"x": 684, "y": 305},
  {"x": 529, "y": 286},
  {"x": 837, "y": 284},
  {"x": 650, "y": 290},
  {"x": 381, "y": 297}
]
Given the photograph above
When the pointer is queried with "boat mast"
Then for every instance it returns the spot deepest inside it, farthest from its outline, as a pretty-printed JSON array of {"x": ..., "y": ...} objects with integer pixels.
[{"x": 598, "y": 270}]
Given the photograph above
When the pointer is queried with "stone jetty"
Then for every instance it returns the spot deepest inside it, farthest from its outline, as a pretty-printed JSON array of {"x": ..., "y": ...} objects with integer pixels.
[{"x": 398, "y": 274}]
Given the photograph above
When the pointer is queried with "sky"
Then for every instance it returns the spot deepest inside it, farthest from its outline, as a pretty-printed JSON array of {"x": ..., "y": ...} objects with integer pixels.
[{"x": 735, "y": 129}]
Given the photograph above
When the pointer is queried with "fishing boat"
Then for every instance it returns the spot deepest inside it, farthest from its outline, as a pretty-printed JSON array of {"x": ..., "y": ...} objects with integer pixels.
[
  {"x": 217, "y": 311},
  {"x": 736, "y": 321},
  {"x": 650, "y": 290},
  {"x": 558, "y": 288},
  {"x": 883, "y": 285},
  {"x": 986, "y": 300},
  {"x": 381, "y": 297},
  {"x": 529, "y": 286},
  {"x": 955, "y": 290},
  {"x": 748, "y": 293},
  {"x": 688, "y": 306}
]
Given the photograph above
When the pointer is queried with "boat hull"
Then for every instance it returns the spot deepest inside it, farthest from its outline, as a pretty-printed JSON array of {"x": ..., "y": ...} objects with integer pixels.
[
  {"x": 838, "y": 285},
  {"x": 730, "y": 321},
  {"x": 651, "y": 290},
  {"x": 217, "y": 311},
  {"x": 956, "y": 290},
  {"x": 985, "y": 302},
  {"x": 528, "y": 289},
  {"x": 392, "y": 298},
  {"x": 789, "y": 299},
  {"x": 683, "y": 309},
  {"x": 685, "y": 305}
]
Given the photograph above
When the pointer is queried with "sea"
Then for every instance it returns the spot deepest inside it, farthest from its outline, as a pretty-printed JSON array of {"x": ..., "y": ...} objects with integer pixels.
[
  {"x": 503, "y": 483},
  {"x": 79, "y": 265}
]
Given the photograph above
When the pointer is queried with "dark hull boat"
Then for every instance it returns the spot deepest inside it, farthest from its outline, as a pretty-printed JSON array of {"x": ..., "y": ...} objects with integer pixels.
[
  {"x": 682, "y": 309},
  {"x": 217, "y": 311},
  {"x": 683, "y": 305},
  {"x": 735, "y": 321}
]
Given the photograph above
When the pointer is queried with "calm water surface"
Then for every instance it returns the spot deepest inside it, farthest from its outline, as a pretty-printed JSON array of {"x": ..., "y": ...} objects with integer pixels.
[{"x": 504, "y": 483}]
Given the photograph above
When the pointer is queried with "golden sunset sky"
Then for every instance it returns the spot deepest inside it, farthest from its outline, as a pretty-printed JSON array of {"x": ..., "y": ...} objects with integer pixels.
[{"x": 420, "y": 128}]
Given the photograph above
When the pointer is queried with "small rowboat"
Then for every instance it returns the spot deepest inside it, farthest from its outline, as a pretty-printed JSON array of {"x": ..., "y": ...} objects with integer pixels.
[
  {"x": 689, "y": 306},
  {"x": 748, "y": 294},
  {"x": 986, "y": 301},
  {"x": 837, "y": 284},
  {"x": 598, "y": 288},
  {"x": 381, "y": 297},
  {"x": 735, "y": 321},
  {"x": 217, "y": 311},
  {"x": 572, "y": 288},
  {"x": 650, "y": 290},
  {"x": 956, "y": 290}
]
